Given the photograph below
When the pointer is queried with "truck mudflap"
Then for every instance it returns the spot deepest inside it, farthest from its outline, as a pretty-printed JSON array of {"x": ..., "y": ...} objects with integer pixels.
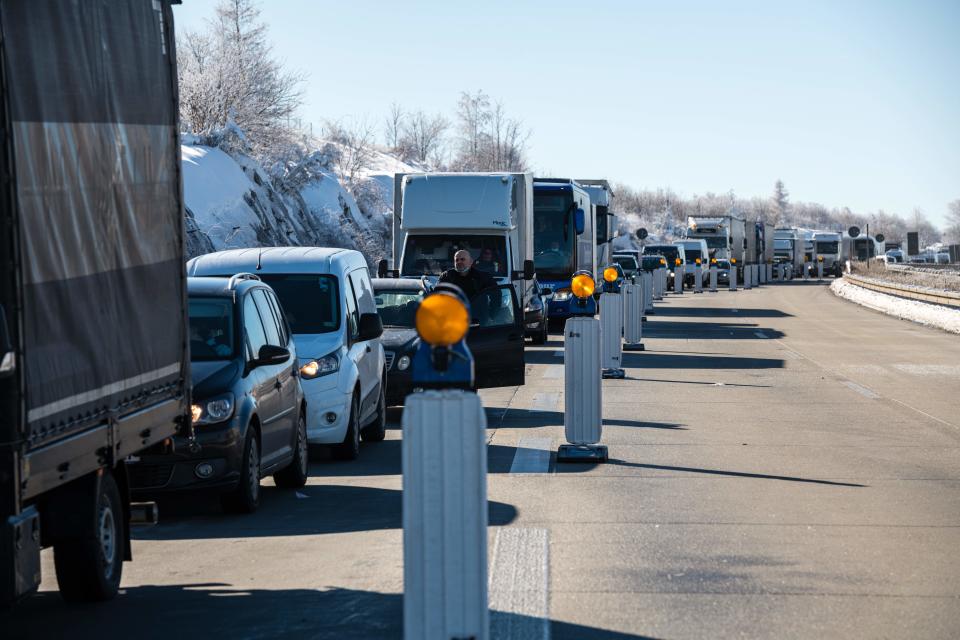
[{"x": 20, "y": 555}]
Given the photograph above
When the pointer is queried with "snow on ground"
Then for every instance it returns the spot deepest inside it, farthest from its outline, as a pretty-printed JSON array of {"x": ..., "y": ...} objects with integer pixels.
[{"x": 922, "y": 312}]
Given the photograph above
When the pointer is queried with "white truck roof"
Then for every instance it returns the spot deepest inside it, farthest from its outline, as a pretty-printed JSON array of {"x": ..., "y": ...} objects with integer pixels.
[{"x": 458, "y": 200}]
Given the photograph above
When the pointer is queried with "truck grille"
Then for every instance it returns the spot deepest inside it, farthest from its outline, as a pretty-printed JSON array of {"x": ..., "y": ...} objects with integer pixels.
[
  {"x": 389, "y": 356},
  {"x": 149, "y": 476}
]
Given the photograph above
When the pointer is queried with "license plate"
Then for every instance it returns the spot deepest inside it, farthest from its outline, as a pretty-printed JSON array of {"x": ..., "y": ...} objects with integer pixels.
[{"x": 132, "y": 459}]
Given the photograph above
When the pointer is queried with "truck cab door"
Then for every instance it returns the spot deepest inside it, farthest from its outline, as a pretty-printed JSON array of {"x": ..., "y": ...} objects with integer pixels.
[{"x": 496, "y": 338}]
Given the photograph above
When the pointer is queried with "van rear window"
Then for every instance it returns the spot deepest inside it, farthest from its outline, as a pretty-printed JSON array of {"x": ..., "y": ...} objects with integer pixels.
[{"x": 311, "y": 302}]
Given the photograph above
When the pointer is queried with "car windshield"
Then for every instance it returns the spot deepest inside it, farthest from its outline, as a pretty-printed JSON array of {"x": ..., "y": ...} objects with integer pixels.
[
  {"x": 310, "y": 301},
  {"x": 651, "y": 262},
  {"x": 397, "y": 308},
  {"x": 553, "y": 235},
  {"x": 723, "y": 264},
  {"x": 627, "y": 263},
  {"x": 431, "y": 255},
  {"x": 667, "y": 251},
  {"x": 211, "y": 329},
  {"x": 692, "y": 255}
]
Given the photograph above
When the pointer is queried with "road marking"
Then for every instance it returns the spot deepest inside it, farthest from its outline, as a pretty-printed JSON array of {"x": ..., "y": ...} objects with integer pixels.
[
  {"x": 930, "y": 369},
  {"x": 861, "y": 390},
  {"x": 519, "y": 584},
  {"x": 532, "y": 456},
  {"x": 553, "y": 372},
  {"x": 546, "y": 401}
]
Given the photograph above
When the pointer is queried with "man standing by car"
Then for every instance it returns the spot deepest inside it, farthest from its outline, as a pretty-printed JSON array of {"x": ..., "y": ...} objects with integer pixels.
[{"x": 470, "y": 279}]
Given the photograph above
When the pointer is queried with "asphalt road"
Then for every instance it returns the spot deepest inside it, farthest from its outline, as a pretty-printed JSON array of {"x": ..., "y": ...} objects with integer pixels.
[{"x": 784, "y": 464}]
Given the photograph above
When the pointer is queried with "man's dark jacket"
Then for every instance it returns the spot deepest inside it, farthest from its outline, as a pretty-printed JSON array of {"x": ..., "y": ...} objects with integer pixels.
[{"x": 472, "y": 282}]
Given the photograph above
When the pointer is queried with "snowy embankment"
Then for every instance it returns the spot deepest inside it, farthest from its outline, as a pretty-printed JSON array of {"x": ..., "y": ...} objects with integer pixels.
[{"x": 925, "y": 313}]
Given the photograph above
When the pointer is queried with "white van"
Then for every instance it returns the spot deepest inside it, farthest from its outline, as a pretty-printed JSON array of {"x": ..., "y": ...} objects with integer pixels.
[{"x": 328, "y": 299}]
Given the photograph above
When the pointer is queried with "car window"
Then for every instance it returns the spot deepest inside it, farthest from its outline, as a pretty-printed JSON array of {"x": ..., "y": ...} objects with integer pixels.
[
  {"x": 211, "y": 328},
  {"x": 397, "y": 307},
  {"x": 270, "y": 326},
  {"x": 493, "y": 308},
  {"x": 281, "y": 317},
  {"x": 310, "y": 301},
  {"x": 353, "y": 316},
  {"x": 253, "y": 326},
  {"x": 363, "y": 291}
]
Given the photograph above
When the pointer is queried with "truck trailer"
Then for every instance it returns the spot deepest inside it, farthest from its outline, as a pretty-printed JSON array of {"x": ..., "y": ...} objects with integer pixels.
[
  {"x": 601, "y": 197},
  {"x": 93, "y": 335}
]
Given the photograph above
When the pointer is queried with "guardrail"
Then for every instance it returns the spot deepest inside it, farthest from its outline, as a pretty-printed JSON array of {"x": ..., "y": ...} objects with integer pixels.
[{"x": 922, "y": 294}]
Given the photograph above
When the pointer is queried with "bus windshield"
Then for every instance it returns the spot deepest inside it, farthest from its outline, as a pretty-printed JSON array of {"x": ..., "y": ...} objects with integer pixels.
[{"x": 553, "y": 236}]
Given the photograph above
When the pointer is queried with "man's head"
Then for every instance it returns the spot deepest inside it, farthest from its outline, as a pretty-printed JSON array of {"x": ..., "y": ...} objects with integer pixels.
[
  {"x": 462, "y": 261},
  {"x": 486, "y": 255}
]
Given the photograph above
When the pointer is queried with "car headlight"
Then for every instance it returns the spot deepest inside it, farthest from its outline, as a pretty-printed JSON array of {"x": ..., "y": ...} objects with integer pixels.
[
  {"x": 213, "y": 410},
  {"x": 403, "y": 363},
  {"x": 320, "y": 366},
  {"x": 561, "y": 296}
]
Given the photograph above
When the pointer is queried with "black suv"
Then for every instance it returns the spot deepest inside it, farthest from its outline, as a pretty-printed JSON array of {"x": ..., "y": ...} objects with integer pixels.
[{"x": 249, "y": 415}]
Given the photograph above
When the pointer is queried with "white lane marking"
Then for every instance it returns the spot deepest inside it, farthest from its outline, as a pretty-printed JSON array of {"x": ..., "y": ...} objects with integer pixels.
[
  {"x": 546, "y": 401},
  {"x": 532, "y": 456},
  {"x": 930, "y": 369},
  {"x": 760, "y": 334},
  {"x": 553, "y": 372},
  {"x": 520, "y": 584},
  {"x": 861, "y": 390}
]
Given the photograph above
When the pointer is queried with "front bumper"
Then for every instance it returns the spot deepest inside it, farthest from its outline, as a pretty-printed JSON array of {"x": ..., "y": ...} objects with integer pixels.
[{"x": 328, "y": 409}]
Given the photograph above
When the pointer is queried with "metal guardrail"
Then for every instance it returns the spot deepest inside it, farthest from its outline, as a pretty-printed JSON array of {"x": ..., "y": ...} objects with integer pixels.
[
  {"x": 922, "y": 294},
  {"x": 909, "y": 267}
]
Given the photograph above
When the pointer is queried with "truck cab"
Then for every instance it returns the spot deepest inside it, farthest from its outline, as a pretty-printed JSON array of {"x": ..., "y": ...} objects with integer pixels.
[
  {"x": 601, "y": 197},
  {"x": 827, "y": 246}
]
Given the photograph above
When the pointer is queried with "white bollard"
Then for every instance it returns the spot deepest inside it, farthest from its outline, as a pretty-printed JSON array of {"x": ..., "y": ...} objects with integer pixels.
[
  {"x": 678, "y": 279},
  {"x": 770, "y": 272},
  {"x": 444, "y": 454},
  {"x": 806, "y": 270},
  {"x": 582, "y": 420},
  {"x": 756, "y": 275},
  {"x": 698, "y": 279},
  {"x": 633, "y": 301},
  {"x": 733, "y": 277},
  {"x": 647, "y": 284},
  {"x": 819, "y": 271},
  {"x": 713, "y": 278},
  {"x": 762, "y": 269},
  {"x": 663, "y": 282},
  {"x": 746, "y": 276},
  {"x": 611, "y": 334},
  {"x": 657, "y": 284}
]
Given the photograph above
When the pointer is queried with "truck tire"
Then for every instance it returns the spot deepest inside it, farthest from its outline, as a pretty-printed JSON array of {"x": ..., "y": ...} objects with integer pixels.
[
  {"x": 246, "y": 497},
  {"x": 294, "y": 476},
  {"x": 376, "y": 431},
  {"x": 89, "y": 566},
  {"x": 349, "y": 449}
]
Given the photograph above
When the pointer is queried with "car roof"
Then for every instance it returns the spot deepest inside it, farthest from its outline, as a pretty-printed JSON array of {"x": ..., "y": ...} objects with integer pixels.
[
  {"x": 276, "y": 260},
  {"x": 384, "y": 284},
  {"x": 214, "y": 286}
]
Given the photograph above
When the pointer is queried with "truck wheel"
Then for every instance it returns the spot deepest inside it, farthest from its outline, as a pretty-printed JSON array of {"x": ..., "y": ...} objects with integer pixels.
[
  {"x": 295, "y": 475},
  {"x": 89, "y": 566},
  {"x": 246, "y": 497},
  {"x": 376, "y": 431},
  {"x": 349, "y": 449}
]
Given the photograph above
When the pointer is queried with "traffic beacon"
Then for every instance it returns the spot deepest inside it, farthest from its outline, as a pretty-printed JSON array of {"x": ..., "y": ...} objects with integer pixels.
[
  {"x": 713, "y": 275},
  {"x": 733, "y": 274},
  {"x": 611, "y": 323},
  {"x": 698, "y": 277},
  {"x": 678, "y": 277},
  {"x": 819, "y": 268},
  {"x": 444, "y": 457},
  {"x": 582, "y": 421}
]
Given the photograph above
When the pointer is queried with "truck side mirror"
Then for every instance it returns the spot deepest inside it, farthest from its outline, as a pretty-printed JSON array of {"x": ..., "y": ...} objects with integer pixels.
[
  {"x": 579, "y": 220},
  {"x": 529, "y": 271},
  {"x": 382, "y": 268},
  {"x": 7, "y": 356}
]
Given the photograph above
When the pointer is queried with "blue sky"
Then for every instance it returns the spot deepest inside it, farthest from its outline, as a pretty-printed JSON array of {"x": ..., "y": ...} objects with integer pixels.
[{"x": 850, "y": 103}]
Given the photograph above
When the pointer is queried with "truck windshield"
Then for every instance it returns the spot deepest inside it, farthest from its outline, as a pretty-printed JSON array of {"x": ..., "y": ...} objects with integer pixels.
[
  {"x": 211, "y": 329},
  {"x": 782, "y": 244},
  {"x": 429, "y": 255},
  {"x": 716, "y": 242},
  {"x": 828, "y": 247},
  {"x": 397, "y": 308},
  {"x": 311, "y": 302},
  {"x": 553, "y": 236}
]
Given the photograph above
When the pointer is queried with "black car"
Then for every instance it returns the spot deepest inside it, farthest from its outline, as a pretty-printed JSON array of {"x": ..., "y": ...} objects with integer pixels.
[
  {"x": 535, "y": 317},
  {"x": 249, "y": 414},
  {"x": 495, "y": 337},
  {"x": 628, "y": 265}
]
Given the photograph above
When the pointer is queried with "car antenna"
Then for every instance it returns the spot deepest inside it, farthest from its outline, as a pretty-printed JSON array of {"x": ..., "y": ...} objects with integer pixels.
[{"x": 259, "y": 258}]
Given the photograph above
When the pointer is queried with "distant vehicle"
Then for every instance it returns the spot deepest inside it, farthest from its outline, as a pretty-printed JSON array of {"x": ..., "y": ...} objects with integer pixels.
[
  {"x": 827, "y": 246},
  {"x": 694, "y": 249},
  {"x": 328, "y": 299},
  {"x": 495, "y": 337},
  {"x": 788, "y": 249},
  {"x": 652, "y": 262},
  {"x": 94, "y": 365},
  {"x": 488, "y": 214},
  {"x": 248, "y": 407},
  {"x": 563, "y": 241},
  {"x": 862, "y": 248},
  {"x": 725, "y": 235},
  {"x": 670, "y": 252},
  {"x": 943, "y": 257},
  {"x": 723, "y": 271},
  {"x": 601, "y": 198},
  {"x": 629, "y": 265},
  {"x": 894, "y": 255},
  {"x": 535, "y": 320}
]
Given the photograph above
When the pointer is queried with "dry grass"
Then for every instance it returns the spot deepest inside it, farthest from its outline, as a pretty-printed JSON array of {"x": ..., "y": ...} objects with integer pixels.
[{"x": 945, "y": 280}]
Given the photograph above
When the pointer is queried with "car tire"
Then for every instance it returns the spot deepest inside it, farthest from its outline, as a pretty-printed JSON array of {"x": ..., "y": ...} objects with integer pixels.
[
  {"x": 89, "y": 567},
  {"x": 246, "y": 497},
  {"x": 542, "y": 336},
  {"x": 376, "y": 431},
  {"x": 349, "y": 449},
  {"x": 295, "y": 475}
]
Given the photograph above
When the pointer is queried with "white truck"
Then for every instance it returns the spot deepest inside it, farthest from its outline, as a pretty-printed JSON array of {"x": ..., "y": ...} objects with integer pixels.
[
  {"x": 601, "y": 197},
  {"x": 788, "y": 249},
  {"x": 827, "y": 245},
  {"x": 488, "y": 214},
  {"x": 725, "y": 235}
]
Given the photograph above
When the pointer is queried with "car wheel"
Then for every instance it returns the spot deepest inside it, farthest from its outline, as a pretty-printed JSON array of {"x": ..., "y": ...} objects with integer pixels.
[
  {"x": 89, "y": 567},
  {"x": 376, "y": 431},
  {"x": 349, "y": 449},
  {"x": 246, "y": 497},
  {"x": 295, "y": 475},
  {"x": 542, "y": 335}
]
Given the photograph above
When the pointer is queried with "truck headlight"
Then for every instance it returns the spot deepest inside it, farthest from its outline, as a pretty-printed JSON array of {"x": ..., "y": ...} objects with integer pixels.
[
  {"x": 317, "y": 367},
  {"x": 403, "y": 363},
  {"x": 214, "y": 410}
]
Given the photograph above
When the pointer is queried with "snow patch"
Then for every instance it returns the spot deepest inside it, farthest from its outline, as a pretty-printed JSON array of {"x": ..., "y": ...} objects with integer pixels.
[{"x": 921, "y": 312}]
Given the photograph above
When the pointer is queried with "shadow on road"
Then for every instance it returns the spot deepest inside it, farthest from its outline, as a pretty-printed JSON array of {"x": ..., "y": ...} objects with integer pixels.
[
  {"x": 654, "y": 360},
  {"x": 708, "y": 330},
  {"x": 516, "y": 418},
  {"x": 710, "y": 312},
  {"x": 219, "y": 610},
  {"x": 311, "y": 510},
  {"x": 708, "y": 384}
]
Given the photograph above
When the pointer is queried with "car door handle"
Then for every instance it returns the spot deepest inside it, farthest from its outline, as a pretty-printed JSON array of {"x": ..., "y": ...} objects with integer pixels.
[
  {"x": 278, "y": 384},
  {"x": 369, "y": 349}
]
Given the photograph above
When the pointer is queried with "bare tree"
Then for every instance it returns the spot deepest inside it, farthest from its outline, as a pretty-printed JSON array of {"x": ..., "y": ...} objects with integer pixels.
[
  {"x": 393, "y": 126},
  {"x": 423, "y": 136},
  {"x": 356, "y": 148},
  {"x": 953, "y": 221},
  {"x": 780, "y": 200},
  {"x": 473, "y": 116}
]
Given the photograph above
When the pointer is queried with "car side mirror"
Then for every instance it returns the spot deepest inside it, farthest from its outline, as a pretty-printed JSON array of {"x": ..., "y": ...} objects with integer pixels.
[
  {"x": 271, "y": 354},
  {"x": 579, "y": 221},
  {"x": 529, "y": 271},
  {"x": 371, "y": 327},
  {"x": 382, "y": 267}
]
